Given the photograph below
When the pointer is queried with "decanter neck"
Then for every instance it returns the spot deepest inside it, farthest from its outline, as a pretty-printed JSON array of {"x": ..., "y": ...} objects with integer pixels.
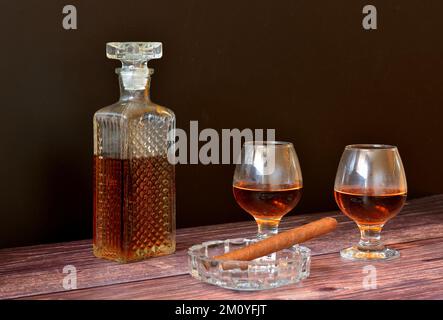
[{"x": 134, "y": 83}]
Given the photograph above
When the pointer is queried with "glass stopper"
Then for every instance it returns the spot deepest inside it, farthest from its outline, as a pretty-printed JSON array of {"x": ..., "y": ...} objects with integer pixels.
[{"x": 134, "y": 53}]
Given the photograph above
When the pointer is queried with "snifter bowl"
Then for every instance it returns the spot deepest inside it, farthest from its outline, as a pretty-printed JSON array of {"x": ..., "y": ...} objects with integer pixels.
[{"x": 281, "y": 268}]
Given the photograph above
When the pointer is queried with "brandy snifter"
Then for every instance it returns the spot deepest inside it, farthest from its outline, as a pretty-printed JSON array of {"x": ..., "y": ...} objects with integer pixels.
[
  {"x": 268, "y": 182},
  {"x": 370, "y": 188}
]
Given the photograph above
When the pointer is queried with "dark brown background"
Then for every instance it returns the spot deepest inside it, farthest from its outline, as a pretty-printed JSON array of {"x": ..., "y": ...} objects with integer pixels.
[{"x": 306, "y": 68}]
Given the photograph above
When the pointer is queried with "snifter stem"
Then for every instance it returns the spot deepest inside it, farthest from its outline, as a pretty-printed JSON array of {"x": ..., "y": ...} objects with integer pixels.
[
  {"x": 370, "y": 238},
  {"x": 267, "y": 227}
]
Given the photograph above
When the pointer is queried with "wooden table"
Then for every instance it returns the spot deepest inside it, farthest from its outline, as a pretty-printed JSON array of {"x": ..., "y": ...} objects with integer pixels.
[{"x": 36, "y": 272}]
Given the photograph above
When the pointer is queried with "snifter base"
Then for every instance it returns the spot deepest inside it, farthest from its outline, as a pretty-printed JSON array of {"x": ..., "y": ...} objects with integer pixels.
[{"x": 357, "y": 254}]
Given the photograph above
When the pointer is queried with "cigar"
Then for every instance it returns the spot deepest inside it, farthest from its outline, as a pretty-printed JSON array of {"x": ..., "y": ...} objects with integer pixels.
[{"x": 280, "y": 241}]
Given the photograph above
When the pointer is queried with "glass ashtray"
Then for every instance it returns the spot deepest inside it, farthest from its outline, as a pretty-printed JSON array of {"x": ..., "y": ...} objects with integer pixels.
[{"x": 281, "y": 268}]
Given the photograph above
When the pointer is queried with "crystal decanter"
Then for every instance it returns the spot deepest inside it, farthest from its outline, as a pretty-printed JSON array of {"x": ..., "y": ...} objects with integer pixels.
[{"x": 134, "y": 186}]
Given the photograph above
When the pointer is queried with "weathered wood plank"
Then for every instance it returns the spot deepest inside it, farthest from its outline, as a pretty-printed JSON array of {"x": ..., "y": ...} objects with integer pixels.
[
  {"x": 416, "y": 275},
  {"x": 38, "y": 269}
]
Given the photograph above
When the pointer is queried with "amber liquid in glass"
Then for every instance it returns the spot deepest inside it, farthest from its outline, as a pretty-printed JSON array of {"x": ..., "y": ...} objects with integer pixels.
[
  {"x": 133, "y": 208},
  {"x": 267, "y": 202},
  {"x": 367, "y": 208}
]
